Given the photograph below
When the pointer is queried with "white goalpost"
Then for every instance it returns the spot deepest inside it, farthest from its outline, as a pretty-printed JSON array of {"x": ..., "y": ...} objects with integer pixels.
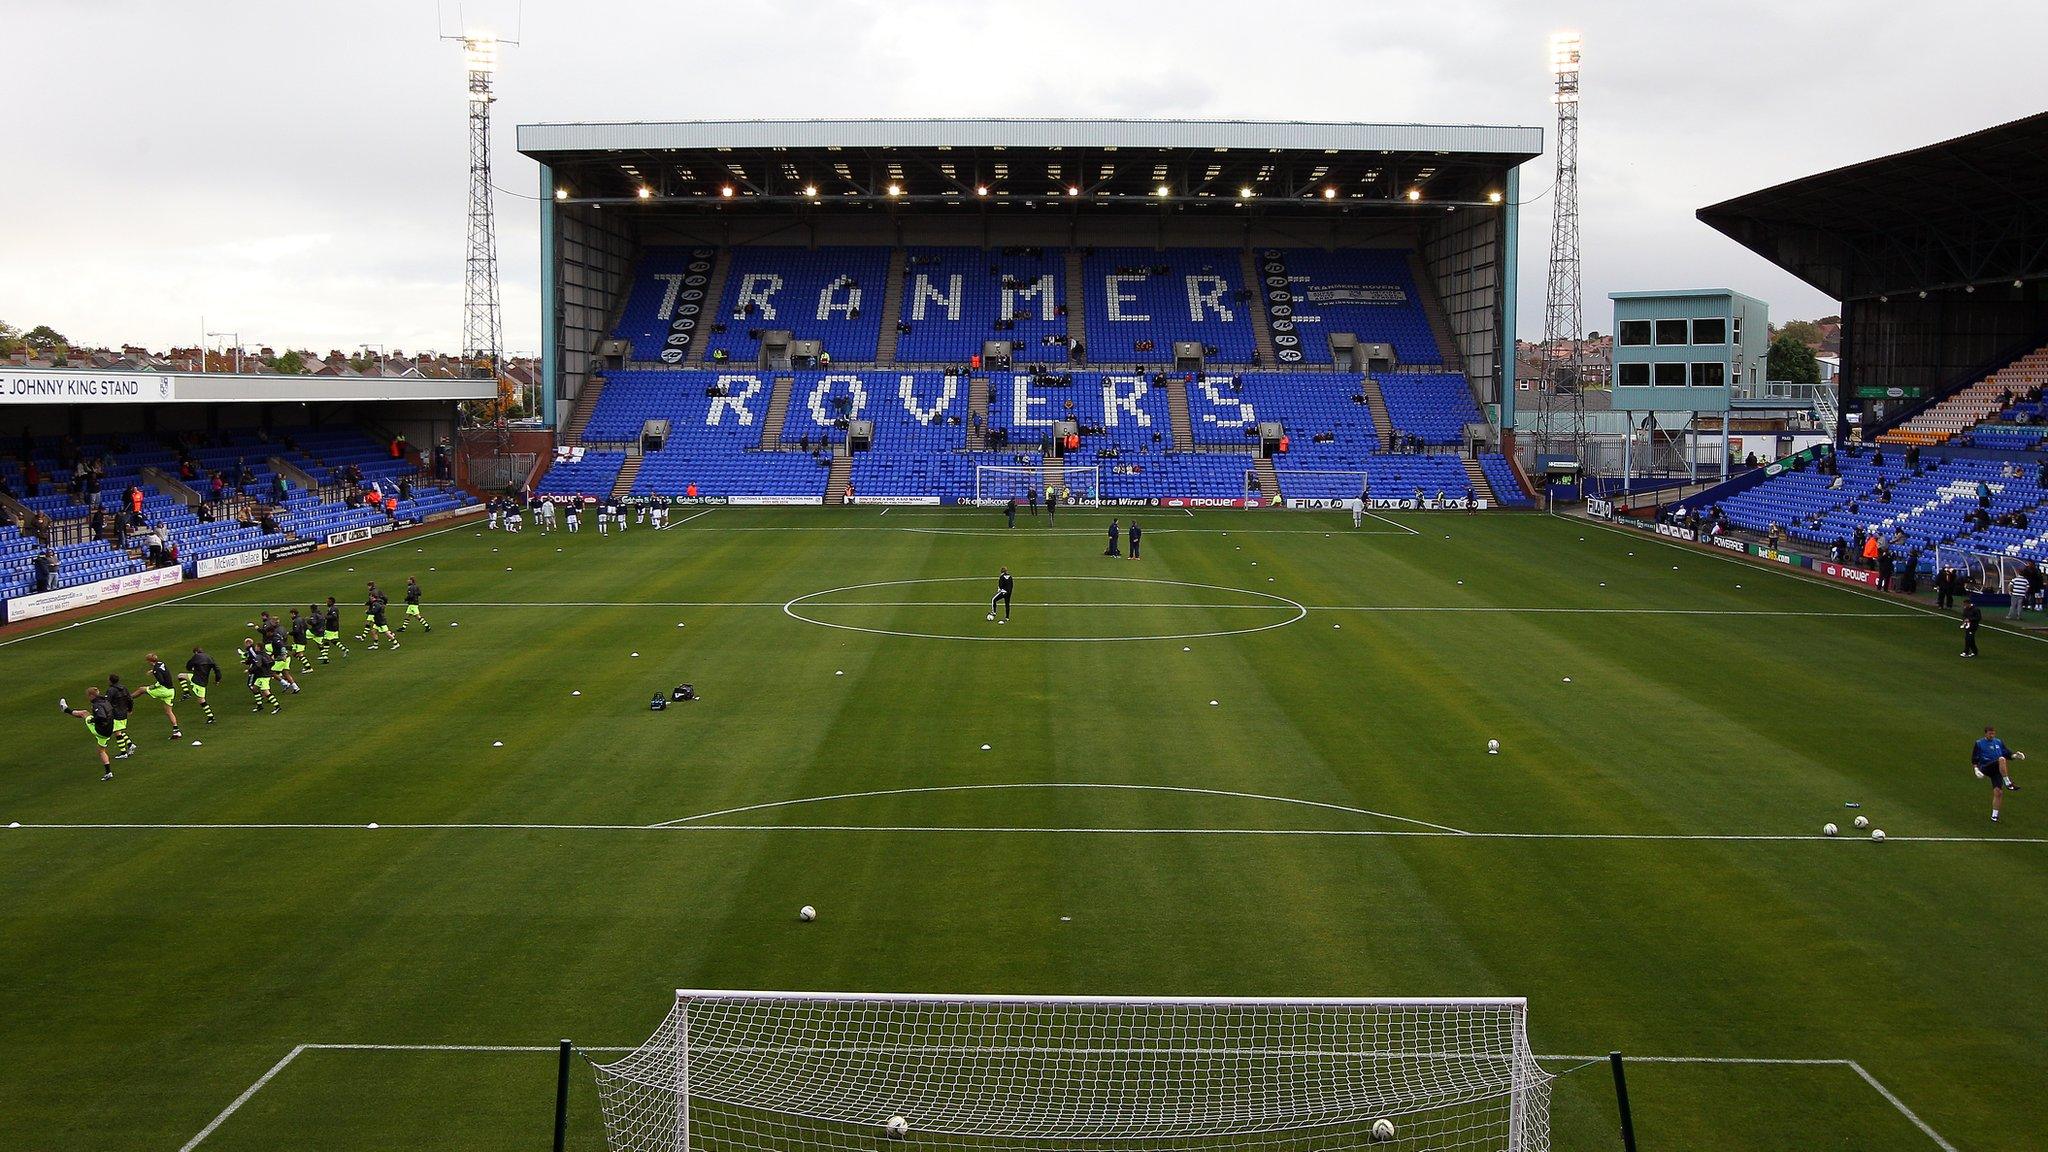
[
  {"x": 1076, "y": 483},
  {"x": 861, "y": 1072}
]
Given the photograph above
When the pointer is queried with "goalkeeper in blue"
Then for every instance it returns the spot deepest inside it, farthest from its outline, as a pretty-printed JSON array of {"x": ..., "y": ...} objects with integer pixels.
[{"x": 1991, "y": 760}]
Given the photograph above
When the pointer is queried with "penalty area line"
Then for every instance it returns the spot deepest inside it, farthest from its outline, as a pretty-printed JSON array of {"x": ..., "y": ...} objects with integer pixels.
[
  {"x": 1862, "y": 1073},
  {"x": 247, "y": 1093}
]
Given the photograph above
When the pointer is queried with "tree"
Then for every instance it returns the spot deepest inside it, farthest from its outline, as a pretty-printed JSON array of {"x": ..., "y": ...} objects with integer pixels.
[
  {"x": 44, "y": 338},
  {"x": 290, "y": 364},
  {"x": 10, "y": 338},
  {"x": 1792, "y": 360},
  {"x": 1805, "y": 331}
]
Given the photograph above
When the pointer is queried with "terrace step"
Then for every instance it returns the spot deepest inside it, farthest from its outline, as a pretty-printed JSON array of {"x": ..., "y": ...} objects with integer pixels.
[
  {"x": 1077, "y": 293},
  {"x": 1178, "y": 414},
  {"x": 778, "y": 414},
  {"x": 1383, "y": 424},
  {"x": 892, "y": 307},
  {"x": 714, "y": 291},
  {"x": 841, "y": 474},
  {"x": 586, "y": 403},
  {"x": 623, "y": 486},
  {"x": 1262, "y": 327},
  {"x": 169, "y": 484},
  {"x": 977, "y": 413},
  {"x": 1433, "y": 311},
  {"x": 1481, "y": 487},
  {"x": 1268, "y": 479}
]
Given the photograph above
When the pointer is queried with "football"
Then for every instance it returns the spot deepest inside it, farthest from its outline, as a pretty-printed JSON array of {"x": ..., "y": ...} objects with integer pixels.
[
  {"x": 1828, "y": 829},
  {"x": 1382, "y": 1129},
  {"x": 1877, "y": 834},
  {"x": 897, "y": 1127},
  {"x": 1863, "y": 821},
  {"x": 1493, "y": 747},
  {"x": 991, "y": 615},
  {"x": 807, "y": 913}
]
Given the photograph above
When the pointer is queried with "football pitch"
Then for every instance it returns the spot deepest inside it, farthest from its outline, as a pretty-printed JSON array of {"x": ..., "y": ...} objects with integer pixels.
[{"x": 1252, "y": 763}]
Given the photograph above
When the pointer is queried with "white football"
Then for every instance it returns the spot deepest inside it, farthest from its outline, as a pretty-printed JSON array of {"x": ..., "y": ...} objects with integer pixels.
[
  {"x": 991, "y": 615},
  {"x": 897, "y": 1127},
  {"x": 1862, "y": 821},
  {"x": 1382, "y": 1129},
  {"x": 1493, "y": 747},
  {"x": 1877, "y": 834},
  {"x": 807, "y": 913},
  {"x": 1828, "y": 829}
]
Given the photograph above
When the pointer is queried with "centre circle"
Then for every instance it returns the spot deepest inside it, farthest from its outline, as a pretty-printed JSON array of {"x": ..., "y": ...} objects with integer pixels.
[{"x": 815, "y": 603}]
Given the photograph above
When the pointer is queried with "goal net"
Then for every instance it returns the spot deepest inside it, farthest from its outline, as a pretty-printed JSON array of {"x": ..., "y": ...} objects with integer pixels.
[
  {"x": 834, "y": 1072},
  {"x": 1075, "y": 483}
]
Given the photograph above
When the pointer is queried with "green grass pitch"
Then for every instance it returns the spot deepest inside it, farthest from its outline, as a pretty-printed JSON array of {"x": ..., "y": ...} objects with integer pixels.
[{"x": 1644, "y": 860}]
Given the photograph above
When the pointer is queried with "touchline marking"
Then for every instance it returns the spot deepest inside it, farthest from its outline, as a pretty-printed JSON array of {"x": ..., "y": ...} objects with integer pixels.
[
  {"x": 1889, "y": 1096},
  {"x": 1170, "y": 788},
  {"x": 690, "y": 517},
  {"x": 233, "y": 584},
  {"x": 236, "y": 1105},
  {"x": 1722, "y": 554}
]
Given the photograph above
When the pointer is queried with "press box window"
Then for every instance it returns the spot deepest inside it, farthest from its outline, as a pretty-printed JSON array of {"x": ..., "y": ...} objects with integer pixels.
[
  {"x": 1632, "y": 375},
  {"x": 1671, "y": 332},
  {"x": 1635, "y": 333},
  {"x": 1712, "y": 374},
  {"x": 1671, "y": 375},
  {"x": 1712, "y": 331}
]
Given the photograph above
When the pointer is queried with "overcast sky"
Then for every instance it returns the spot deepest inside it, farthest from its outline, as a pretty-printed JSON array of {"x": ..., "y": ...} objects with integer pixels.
[{"x": 295, "y": 171}]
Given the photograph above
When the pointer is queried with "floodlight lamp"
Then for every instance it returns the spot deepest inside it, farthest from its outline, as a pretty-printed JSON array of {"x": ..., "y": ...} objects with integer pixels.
[
  {"x": 1493, "y": 197},
  {"x": 895, "y": 189},
  {"x": 726, "y": 191},
  {"x": 1163, "y": 192},
  {"x": 646, "y": 193},
  {"x": 480, "y": 53},
  {"x": 561, "y": 193},
  {"x": 1414, "y": 194},
  {"x": 1244, "y": 193},
  {"x": 1329, "y": 193},
  {"x": 811, "y": 190},
  {"x": 981, "y": 189},
  {"x": 1073, "y": 190}
]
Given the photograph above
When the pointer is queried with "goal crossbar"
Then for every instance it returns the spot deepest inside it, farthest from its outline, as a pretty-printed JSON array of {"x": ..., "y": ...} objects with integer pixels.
[{"x": 1016, "y": 998}]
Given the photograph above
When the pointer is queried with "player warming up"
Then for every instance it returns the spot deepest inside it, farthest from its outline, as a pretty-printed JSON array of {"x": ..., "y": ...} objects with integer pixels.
[
  {"x": 333, "y": 628},
  {"x": 256, "y": 662},
  {"x": 98, "y": 715},
  {"x": 298, "y": 630},
  {"x": 200, "y": 671},
  {"x": 374, "y": 624},
  {"x": 412, "y": 606},
  {"x": 1991, "y": 760},
  {"x": 1004, "y": 586},
  {"x": 162, "y": 689},
  {"x": 123, "y": 705}
]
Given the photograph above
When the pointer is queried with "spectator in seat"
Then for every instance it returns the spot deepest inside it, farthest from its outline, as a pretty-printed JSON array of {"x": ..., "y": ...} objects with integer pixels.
[{"x": 46, "y": 568}]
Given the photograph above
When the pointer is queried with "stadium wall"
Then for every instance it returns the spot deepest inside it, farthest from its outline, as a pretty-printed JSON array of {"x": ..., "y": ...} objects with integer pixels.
[{"x": 587, "y": 263}]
